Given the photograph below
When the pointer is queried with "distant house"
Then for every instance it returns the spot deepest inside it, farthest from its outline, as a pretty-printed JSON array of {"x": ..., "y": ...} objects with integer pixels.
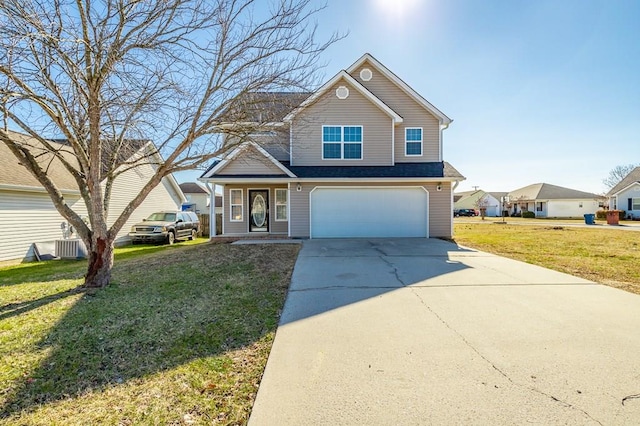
[
  {"x": 27, "y": 215},
  {"x": 548, "y": 200},
  {"x": 360, "y": 157},
  {"x": 477, "y": 199},
  {"x": 626, "y": 194},
  {"x": 198, "y": 198}
]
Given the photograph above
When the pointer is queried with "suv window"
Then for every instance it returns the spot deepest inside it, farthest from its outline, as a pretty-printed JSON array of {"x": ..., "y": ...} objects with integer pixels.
[
  {"x": 162, "y": 217},
  {"x": 191, "y": 217}
]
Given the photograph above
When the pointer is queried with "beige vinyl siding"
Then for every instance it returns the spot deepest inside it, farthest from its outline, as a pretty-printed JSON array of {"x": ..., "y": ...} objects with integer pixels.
[
  {"x": 440, "y": 209},
  {"x": 250, "y": 162},
  {"x": 355, "y": 110},
  {"x": 29, "y": 217},
  {"x": 127, "y": 185},
  {"x": 238, "y": 228},
  {"x": 26, "y": 218},
  {"x": 414, "y": 115}
]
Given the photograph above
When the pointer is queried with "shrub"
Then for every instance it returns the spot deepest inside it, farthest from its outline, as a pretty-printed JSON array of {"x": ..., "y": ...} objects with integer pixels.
[
  {"x": 515, "y": 214},
  {"x": 529, "y": 215}
]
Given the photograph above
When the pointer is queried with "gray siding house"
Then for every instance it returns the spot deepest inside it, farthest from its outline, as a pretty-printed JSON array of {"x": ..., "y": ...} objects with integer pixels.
[{"x": 359, "y": 157}]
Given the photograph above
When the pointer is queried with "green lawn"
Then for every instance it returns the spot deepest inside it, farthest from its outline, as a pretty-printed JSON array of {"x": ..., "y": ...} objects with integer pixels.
[
  {"x": 607, "y": 256},
  {"x": 181, "y": 336}
]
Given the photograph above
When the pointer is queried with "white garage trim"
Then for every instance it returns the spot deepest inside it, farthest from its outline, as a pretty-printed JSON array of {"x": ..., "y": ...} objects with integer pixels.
[{"x": 389, "y": 226}]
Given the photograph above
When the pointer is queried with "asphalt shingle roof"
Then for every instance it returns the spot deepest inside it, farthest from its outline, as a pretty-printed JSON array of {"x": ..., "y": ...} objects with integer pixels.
[
  {"x": 632, "y": 177},
  {"x": 192, "y": 188},
  {"x": 546, "y": 191},
  {"x": 400, "y": 170},
  {"x": 263, "y": 107},
  {"x": 14, "y": 173}
]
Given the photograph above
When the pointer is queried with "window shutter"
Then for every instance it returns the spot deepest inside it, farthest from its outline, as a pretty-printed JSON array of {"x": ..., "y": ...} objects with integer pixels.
[{"x": 629, "y": 204}]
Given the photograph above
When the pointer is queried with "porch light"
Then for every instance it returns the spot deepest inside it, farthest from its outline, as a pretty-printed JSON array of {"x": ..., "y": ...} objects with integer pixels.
[{"x": 299, "y": 188}]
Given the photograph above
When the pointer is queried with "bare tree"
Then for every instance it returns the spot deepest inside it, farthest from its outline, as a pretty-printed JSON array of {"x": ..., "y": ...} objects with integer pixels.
[
  {"x": 617, "y": 174},
  {"x": 107, "y": 74}
]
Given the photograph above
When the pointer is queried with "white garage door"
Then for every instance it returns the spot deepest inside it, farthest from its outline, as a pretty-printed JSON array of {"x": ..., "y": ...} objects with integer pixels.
[{"x": 369, "y": 212}]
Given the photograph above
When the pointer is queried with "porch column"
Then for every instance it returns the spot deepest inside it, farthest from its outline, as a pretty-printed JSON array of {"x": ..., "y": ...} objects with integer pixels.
[{"x": 212, "y": 209}]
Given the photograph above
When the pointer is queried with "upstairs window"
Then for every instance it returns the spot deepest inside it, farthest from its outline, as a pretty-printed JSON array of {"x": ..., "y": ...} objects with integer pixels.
[
  {"x": 342, "y": 142},
  {"x": 413, "y": 141}
]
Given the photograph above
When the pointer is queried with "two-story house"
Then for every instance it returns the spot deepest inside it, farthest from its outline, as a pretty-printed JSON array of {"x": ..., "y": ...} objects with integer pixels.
[{"x": 360, "y": 157}]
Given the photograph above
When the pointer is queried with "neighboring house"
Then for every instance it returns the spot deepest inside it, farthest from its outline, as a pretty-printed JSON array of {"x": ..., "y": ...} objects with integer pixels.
[
  {"x": 360, "y": 157},
  {"x": 28, "y": 216},
  {"x": 478, "y": 199},
  {"x": 198, "y": 198},
  {"x": 626, "y": 195},
  {"x": 548, "y": 200}
]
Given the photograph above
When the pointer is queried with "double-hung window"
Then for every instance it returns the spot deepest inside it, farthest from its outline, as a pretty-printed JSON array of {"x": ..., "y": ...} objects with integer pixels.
[
  {"x": 413, "y": 141},
  {"x": 281, "y": 205},
  {"x": 342, "y": 142},
  {"x": 634, "y": 204},
  {"x": 235, "y": 203}
]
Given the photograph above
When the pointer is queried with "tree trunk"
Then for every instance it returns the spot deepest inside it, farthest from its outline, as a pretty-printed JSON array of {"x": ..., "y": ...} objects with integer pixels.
[{"x": 100, "y": 263}]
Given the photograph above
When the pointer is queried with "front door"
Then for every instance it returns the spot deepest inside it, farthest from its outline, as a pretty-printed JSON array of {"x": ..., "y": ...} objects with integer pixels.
[{"x": 258, "y": 210}]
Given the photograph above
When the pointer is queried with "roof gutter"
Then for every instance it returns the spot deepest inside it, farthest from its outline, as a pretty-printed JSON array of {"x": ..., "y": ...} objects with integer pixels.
[{"x": 22, "y": 188}]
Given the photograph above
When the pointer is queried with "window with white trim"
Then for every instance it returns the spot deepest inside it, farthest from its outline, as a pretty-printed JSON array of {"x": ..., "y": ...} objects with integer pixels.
[
  {"x": 281, "y": 205},
  {"x": 635, "y": 204},
  {"x": 342, "y": 142},
  {"x": 413, "y": 141},
  {"x": 235, "y": 203}
]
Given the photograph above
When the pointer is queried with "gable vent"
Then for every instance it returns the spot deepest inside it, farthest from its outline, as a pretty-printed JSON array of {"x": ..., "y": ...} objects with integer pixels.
[
  {"x": 342, "y": 92},
  {"x": 366, "y": 74}
]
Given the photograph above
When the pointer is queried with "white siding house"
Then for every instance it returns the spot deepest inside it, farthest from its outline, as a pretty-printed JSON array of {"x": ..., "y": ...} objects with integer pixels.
[
  {"x": 626, "y": 195},
  {"x": 548, "y": 200},
  {"x": 28, "y": 216}
]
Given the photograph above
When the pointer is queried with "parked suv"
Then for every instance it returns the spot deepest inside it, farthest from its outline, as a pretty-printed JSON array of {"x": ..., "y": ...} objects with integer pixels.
[
  {"x": 166, "y": 226},
  {"x": 464, "y": 212}
]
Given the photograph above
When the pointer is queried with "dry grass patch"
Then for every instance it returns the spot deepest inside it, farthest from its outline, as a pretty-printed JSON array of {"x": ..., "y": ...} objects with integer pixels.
[
  {"x": 180, "y": 337},
  {"x": 606, "y": 256}
]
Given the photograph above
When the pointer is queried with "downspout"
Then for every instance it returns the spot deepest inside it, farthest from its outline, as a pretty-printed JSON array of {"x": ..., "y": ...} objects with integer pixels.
[
  {"x": 443, "y": 127},
  {"x": 212, "y": 209}
]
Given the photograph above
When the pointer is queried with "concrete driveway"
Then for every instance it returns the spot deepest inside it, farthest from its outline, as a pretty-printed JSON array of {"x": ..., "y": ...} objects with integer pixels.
[{"x": 416, "y": 331}]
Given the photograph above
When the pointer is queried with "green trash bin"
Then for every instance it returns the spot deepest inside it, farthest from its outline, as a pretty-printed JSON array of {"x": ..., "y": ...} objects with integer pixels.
[{"x": 590, "y": 219}]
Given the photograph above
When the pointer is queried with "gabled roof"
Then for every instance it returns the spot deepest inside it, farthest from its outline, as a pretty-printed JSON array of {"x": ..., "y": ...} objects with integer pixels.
[
  {"x": 356, "y": 85},
  {"x": 401, "y": 84},
  {"x": 16, "y": 176},
  {"x": 193, "y": 188},
  {"x": 219, "y": 165},
  {"x": 497, "y": 195},
  {"x": 263, "y": 107},
  {"x": 630, "y": 179},
  {"x": 546, "y": 191}
]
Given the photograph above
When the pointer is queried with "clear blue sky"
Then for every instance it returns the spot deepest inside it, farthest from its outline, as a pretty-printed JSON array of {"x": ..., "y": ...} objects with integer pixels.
[{"x": 539, "y": 91}]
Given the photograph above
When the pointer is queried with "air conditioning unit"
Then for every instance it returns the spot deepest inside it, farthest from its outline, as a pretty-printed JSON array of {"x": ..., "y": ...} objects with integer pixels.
[{"x": 71, "y": 249}]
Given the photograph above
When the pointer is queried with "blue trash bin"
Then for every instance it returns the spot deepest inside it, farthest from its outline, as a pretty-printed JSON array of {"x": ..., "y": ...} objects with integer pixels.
[{"x": 590, "y": 219}]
